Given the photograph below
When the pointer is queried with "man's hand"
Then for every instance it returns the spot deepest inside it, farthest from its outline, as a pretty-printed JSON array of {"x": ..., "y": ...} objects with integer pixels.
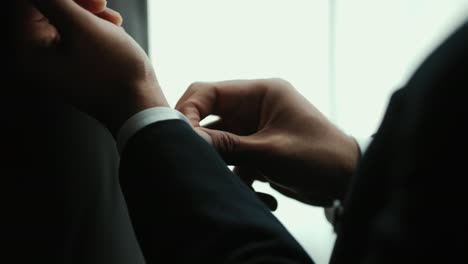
[
  {"x": 94, "y": 64},
  {"x": 272, "y": 133}
]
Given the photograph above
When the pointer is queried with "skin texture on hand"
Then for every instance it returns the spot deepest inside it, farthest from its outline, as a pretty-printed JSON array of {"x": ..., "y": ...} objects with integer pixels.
[
  {"x": 94, "y": 6},
  {"x": 87, "y": 59},
  {"x": 272, "y": 133}
]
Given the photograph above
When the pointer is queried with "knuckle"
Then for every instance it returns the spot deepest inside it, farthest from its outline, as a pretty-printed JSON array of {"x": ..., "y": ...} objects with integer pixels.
[
  {"x": 276, "y": 84},
  {"x": 227, "y": 143},
  {"x": 195, "y": 86},
  {"x": 282, "y": 83},
  {"x": 184, "y": 108}
]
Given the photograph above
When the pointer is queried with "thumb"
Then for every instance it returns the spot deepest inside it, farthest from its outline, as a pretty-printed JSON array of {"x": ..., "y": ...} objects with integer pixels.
[
  {"x": 68, "y": 16},
  {"x": 233, "y": 148}
]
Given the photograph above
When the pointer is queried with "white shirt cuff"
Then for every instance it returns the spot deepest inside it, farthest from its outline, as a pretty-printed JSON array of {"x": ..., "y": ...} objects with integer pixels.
[{"x": 143, "y": 119}]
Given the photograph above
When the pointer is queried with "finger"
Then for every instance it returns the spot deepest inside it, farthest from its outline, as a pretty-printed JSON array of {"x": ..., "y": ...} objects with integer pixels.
[
  {"x": 69, "y": 17},
  {"x": 249, "y": 174},
  {"x": 193, "y": 114},
  {"x": 221, "y": 98},
  {"x": 33, "y": 30},
  {"x": 195, "y": 108},
  {"x": 112, "y": 16},
  {"x": 216, "y": 125},
  {"x": 205, "y": 136},
  {"x": 234, "y": 149},
  {"x": 311, "y": 199},
  {"x": 190, "y": 91},
  {"x": 242, "y": 126},
  {"x": 268, "y": 200},
  {"x": 286, "y": 192},
  {"x": 94, "y": 6},
  {"x": 227, "y": 144}
]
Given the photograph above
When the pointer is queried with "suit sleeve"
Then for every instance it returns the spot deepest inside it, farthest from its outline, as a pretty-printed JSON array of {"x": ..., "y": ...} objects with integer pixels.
[{"x": 186, "y": 206}]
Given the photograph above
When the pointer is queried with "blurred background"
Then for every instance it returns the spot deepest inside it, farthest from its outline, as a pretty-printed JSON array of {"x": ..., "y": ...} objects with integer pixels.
[{"x": 345, "y": 56}]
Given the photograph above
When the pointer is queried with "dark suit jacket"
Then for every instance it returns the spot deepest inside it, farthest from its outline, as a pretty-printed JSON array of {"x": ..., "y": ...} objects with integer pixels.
[
  {"x": 407, "y": 201},
  {"x": 405, "y": 205}
]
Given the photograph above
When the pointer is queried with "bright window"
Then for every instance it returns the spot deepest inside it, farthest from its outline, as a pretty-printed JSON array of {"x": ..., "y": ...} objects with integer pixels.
[{"x": 379, "y": 45}]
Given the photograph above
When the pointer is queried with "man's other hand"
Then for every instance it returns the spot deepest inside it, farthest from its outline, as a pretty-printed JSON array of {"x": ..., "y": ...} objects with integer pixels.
[
  {"x": 272, "y": 133},
  {"x": 94, "y": 64}
]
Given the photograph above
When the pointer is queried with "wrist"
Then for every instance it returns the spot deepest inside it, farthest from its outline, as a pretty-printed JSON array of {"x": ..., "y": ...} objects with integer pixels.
[
  {"x": 344, "y": 156},
  {"x": 351, "y": 158},
  {"x": 139, "y": 98}
]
